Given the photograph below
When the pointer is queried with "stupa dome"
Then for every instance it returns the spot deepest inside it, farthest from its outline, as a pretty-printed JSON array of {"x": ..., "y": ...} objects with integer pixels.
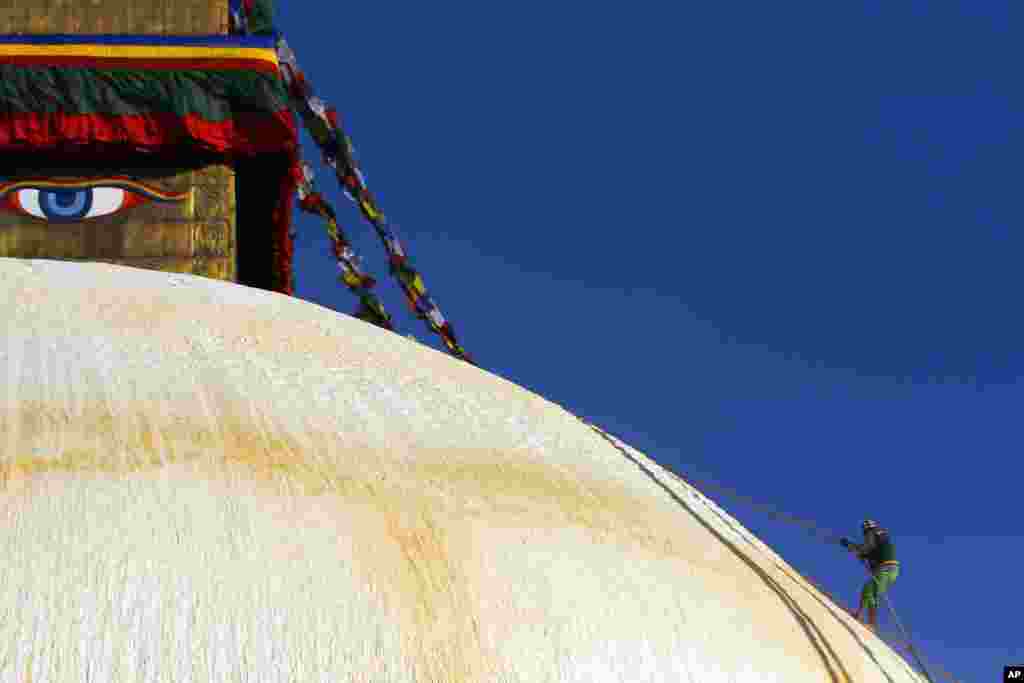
[{"x": 209, "y": 482}]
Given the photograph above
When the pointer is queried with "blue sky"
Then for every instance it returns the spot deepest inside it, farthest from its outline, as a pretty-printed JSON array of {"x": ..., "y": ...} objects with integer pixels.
[{"x": 774, "y": 245}]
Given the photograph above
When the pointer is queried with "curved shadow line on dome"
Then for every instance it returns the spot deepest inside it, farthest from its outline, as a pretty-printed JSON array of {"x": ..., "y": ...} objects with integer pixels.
[
  {"x": 830, "y": 608},
  {"x": 814, "y": 635}
]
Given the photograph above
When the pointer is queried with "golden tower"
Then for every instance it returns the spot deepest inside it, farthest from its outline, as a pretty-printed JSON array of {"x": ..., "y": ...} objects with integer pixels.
[{"x": 197, "y": 235}]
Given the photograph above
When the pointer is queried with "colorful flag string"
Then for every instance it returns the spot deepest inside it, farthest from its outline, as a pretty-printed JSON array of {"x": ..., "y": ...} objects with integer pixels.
[
  {"x": 322, "y": 122},
  {"x": 359, "y": 283}
]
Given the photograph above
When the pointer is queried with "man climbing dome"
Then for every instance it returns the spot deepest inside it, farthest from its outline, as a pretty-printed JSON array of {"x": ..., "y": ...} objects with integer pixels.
[{"x": 880, "y": 553}]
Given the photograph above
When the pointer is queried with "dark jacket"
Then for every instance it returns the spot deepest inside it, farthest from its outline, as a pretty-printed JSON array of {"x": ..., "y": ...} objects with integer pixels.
[{"x": 877, "y": 549}]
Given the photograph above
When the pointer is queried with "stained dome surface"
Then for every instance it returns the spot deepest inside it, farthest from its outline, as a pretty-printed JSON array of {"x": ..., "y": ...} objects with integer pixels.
[{"x": 207, "y": 482}]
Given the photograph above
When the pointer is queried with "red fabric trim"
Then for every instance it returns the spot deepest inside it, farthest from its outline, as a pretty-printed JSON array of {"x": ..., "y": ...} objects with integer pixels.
[
  {"x": 152, "y": 132},
  {"x": 147, "y": 64},
  {"x": 244, "y": 135},
  {"x": 284, "y": 246}
]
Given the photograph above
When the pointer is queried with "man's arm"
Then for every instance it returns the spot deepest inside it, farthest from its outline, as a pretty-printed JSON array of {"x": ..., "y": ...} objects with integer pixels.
[{"x": 862, "y": 549}]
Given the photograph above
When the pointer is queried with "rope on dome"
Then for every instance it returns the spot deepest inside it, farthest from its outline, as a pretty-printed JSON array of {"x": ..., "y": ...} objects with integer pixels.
[
  {"x": 906, "y": 636},
  {"x": 323, "y": 124},
  {"x": 816, "y": 531}
]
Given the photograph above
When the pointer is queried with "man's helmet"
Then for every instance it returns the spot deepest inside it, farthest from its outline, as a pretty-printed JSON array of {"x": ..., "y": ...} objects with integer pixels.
[{"x": 869, "y": 524}]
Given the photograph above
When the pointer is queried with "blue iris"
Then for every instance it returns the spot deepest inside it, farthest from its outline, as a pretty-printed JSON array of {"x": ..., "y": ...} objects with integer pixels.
[{"x": 66, "y": 205}]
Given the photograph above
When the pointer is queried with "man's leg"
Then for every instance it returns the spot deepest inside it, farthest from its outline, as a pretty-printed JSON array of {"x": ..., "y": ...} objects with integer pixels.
[
  {"x": 882, "y": 580},
  {"x": 869, "y": 600}
]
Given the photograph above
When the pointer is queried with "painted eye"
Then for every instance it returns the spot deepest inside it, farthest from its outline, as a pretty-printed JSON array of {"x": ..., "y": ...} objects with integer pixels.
[
  {"x": 69, "y": 202},
  {"x": 74, "y": 204}
]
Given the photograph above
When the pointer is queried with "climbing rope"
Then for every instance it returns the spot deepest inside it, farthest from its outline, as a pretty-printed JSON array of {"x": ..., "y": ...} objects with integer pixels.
[
  {"x": 822, "y": 534},
  {"x": 907, "y": 641},
  {"x": 906, "y": 636},
  {"x": 813, "y": 529},
  {"x": 323, "y": 124}
]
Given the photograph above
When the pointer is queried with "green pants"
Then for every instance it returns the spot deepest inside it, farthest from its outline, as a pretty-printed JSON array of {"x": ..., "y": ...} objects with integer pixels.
[{"x": 878, "y": 584}]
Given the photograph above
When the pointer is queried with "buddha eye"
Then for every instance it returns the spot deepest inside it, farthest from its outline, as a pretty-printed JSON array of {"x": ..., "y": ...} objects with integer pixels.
[
  {"x": 70, "y": 202},
  {"x": 71, "y": 205}
]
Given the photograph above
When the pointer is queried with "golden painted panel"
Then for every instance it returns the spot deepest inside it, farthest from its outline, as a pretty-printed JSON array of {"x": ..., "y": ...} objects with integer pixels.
[
  {"x": 114, "y": 16},
  {"x": 195, "y": 236},
  {"x": 193, "y": 233}
]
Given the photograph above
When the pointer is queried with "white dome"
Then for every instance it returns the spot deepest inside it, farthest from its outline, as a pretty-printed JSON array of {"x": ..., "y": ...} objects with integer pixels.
[{"x": 207, "y": 482}]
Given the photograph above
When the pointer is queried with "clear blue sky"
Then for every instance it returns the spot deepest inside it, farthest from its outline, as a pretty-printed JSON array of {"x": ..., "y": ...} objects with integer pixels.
[{"x": 776, "y": 245}]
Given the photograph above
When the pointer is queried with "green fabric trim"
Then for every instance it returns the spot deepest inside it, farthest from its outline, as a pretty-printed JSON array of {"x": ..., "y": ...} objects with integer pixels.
[
  {"x": 886, "y": 552},
  {"x": 213, "y": 95}
]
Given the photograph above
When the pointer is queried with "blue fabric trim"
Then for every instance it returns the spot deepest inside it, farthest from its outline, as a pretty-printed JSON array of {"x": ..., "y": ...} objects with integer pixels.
[{"x": 268, "y": 42}]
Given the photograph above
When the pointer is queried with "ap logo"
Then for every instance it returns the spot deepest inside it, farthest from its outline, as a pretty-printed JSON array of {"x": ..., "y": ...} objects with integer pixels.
[{"x": 1014, "y": 674}]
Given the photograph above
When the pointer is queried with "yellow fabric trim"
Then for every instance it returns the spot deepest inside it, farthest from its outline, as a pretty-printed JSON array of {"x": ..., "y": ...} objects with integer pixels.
[{"x": 140, "y": 52}]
